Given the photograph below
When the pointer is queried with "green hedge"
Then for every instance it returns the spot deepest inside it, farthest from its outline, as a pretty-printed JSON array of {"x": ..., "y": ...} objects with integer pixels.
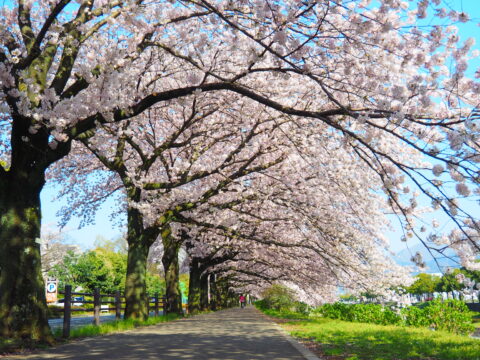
[
  {"x": 282, "y": 299},
  {"x": 367, "y": 313},
  {"x": 450, "y": 315},
  {"x": 278, "y": 297}
]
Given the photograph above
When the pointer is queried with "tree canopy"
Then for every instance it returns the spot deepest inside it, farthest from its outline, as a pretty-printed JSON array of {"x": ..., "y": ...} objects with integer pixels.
[{"x": 283, "y": 127}]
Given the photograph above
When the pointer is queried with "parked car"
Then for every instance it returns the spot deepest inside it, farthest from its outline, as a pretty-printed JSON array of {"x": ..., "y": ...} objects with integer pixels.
[{"x": 78, "y": 300}]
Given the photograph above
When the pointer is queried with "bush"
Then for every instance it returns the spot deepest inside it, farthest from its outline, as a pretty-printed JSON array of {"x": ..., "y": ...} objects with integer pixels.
[
  {"x": 302, "y": 308},
  {"x": 414, "y": 316},
  {"x": 336, "y": 311},
  {"x": 278, "y": 297},
  {"x": 451, "y": 315},
  {"x": 261, "y": 304},
  {"x": 367, "y": 313}
]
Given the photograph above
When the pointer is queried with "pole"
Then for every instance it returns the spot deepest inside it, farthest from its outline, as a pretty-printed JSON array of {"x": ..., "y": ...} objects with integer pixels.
[
  {"x": 156, "y": 304},
  {"x": 67, "y": 311},
  {"x": 118, "y": 305},
  {"x": 96, "y": 306}
]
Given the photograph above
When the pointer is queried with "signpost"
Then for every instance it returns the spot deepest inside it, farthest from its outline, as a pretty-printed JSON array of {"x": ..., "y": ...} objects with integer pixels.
[{"x": 52, "y": 290}]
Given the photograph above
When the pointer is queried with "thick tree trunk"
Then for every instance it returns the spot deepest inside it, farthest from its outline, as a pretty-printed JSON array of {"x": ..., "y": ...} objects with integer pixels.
[
  {"x": 171, "y": 268},
  {"x": 23, "y": 309},
  {"x": 204, "y": 305},
  {"x": 139, "y": 241},
  {"x": 194, "y": 287},
  {"x": 136, "y": 282}
]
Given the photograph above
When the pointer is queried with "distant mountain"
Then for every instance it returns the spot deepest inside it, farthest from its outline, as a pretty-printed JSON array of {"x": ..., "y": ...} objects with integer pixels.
[{"x": 403, "y": 258}]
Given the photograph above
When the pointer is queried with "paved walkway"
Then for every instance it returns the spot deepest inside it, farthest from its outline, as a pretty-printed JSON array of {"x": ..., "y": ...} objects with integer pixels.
[{"x": 234, "y": 334}]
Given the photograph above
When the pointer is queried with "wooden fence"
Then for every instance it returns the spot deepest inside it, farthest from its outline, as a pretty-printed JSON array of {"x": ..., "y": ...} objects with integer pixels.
[{"x": 99, "y": 305}]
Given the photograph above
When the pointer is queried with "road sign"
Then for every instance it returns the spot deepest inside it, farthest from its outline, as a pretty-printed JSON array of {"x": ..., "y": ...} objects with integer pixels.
[{"x": 52, "y": 288}]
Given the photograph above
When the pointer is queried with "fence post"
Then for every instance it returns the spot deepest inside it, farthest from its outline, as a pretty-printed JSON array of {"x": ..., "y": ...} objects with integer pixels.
[
  {"x": 165, "y": 306},
  {"x": 148, "y": 306},
  {"x": 96, "y": 306},
  {"x": 118, "y": 305},
  {"x": 67, "y": 311},
  {"x": 156, "y": 304}
]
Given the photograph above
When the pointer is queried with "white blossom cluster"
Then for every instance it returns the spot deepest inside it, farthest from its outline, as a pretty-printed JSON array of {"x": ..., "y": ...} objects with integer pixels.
[{"x": 283, "y": 130}]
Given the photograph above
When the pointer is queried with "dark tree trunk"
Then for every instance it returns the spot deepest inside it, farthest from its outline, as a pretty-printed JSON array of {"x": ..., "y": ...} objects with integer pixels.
[
  {"x": 225, "y": 297},
  {"x": 23, "y": 309},
  {"x": 136, "y": 282},
  {"x": 194, "y": 287},
  {"x": 173, "y": 294},
  {"x": 213, "y": 292},
  {"x": 139, "y": 242},
  {"x": 204, "y": 305}
]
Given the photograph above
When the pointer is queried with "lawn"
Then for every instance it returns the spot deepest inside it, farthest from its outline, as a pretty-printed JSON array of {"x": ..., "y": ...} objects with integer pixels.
[
  {"x": 14, "y": 346},
  {"x": 115, "y": 326},
  {"x": 338, "y": 340}
]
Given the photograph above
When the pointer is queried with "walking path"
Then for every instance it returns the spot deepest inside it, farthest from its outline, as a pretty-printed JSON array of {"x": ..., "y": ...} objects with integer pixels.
[{"x": 233, "y": 334}]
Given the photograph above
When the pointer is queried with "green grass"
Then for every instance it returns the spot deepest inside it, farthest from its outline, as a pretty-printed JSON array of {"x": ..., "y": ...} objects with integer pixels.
[
  {"x": 284, "y": 314},
  {"x": 114, "y": 326},
  {"x": 359, "y": 341},
  {"x": 378, "y": 342}
]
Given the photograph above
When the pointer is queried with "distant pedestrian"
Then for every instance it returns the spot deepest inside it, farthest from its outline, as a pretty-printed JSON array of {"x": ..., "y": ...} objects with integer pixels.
[{"x": 242, "y": 301}]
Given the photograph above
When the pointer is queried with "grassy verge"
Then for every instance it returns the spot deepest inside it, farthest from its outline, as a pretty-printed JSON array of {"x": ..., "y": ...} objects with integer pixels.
[
  {"x": 284, "y": 314},
  {"x": 115, "y": 326},
  {"x": 341, "y": 340},
  {"x": 8, "y": 346},
  {"x": 355, "y": 341}
]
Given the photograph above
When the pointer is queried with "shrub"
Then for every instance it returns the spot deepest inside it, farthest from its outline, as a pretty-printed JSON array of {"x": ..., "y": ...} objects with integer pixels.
[
  {"x": 414, "y": 316},
  {"x": 450, "y": 315},
  {"x": 368, "y": 313},
  {"x": 302, "y": 308},
  {"x": 278, "y": 297},
  {"x": 261, "y": 304},
  {"x": 336, "y": 311}
]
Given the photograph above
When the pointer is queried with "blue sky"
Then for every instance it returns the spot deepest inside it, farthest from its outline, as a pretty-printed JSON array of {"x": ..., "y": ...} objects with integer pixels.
[{"x": 86, "y": 236}]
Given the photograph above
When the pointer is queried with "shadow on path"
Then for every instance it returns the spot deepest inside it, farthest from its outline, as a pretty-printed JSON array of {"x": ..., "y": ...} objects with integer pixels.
[{"x": 224, "y": 335}]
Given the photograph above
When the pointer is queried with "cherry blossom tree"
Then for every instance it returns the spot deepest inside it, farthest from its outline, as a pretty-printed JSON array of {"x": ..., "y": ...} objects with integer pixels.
[
  {"x": 53, "y": 249},
  {"x": 363, "y": 70},
  {"x": 324, "y": 232},
  {"x": 169, "y": 166},
  {"x": 180, "y": 165},
  {"x": 201, "y": 265},
  {"x": 190, "y": 176}
]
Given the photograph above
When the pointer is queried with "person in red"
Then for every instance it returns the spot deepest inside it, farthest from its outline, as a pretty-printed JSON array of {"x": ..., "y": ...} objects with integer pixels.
[{"x": 242, "y": 301}]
